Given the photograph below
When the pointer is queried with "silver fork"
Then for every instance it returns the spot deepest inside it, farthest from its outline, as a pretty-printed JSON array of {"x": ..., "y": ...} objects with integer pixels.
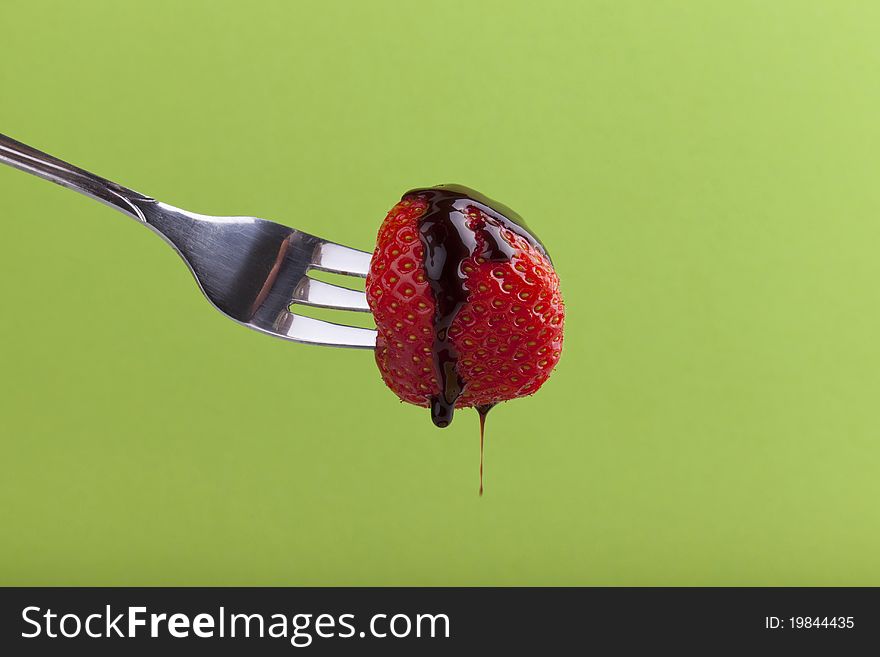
[{"x": 252, "y": 270}]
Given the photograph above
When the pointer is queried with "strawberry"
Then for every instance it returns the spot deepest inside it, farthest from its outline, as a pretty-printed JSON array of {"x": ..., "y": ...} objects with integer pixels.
[{"x": 466, "y": 303}]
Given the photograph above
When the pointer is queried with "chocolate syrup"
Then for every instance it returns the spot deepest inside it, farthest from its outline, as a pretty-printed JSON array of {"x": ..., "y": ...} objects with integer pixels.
[
  {"x": 448, "y": 241},
  {"x": 483, "y": 411}
]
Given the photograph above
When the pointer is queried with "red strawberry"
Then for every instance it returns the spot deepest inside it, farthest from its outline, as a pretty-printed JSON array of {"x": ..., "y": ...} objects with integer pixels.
[{"x": 466, "y": 302}]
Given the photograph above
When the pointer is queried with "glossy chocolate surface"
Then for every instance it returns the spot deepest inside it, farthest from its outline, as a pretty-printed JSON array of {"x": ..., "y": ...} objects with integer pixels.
[{"x": 448, "y": 241}]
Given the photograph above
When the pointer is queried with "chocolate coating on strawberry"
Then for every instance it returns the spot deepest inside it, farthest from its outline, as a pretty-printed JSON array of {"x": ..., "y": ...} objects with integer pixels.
[
  {"x": 452, "y": 233},
  {"x": 470, "y": 314}
]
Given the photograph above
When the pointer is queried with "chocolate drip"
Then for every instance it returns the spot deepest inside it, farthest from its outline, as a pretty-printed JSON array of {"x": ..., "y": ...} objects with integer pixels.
[
  {"x": 483, "y": 412},
  {"x": 448, "y": 241}
]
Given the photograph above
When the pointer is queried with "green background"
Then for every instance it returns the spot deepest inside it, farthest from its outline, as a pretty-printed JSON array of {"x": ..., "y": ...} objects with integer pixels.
[{"x": 705, "y": 174}]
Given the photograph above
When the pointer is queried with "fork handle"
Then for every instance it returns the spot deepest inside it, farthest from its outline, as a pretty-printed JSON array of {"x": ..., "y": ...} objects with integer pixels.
[{"x": 24, "y": 157}]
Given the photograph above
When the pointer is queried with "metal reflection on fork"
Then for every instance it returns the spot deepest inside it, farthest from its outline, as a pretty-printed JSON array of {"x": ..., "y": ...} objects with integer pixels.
[{"x": 251, "y": 269}]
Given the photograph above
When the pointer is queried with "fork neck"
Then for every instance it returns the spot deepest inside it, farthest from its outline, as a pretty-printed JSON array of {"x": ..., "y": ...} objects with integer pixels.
[{"x": 29, "y": 159}]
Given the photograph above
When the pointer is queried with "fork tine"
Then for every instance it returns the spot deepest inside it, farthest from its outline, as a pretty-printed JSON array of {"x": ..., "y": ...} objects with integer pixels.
[
  {"x": 316, "y": 331},
  {"x": 311, "y": 292},
  {"x": 339, "y": 259}
]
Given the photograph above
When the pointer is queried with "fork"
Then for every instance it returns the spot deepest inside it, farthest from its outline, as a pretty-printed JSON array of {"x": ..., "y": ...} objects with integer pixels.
[{"x": 252, "y": 270}]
